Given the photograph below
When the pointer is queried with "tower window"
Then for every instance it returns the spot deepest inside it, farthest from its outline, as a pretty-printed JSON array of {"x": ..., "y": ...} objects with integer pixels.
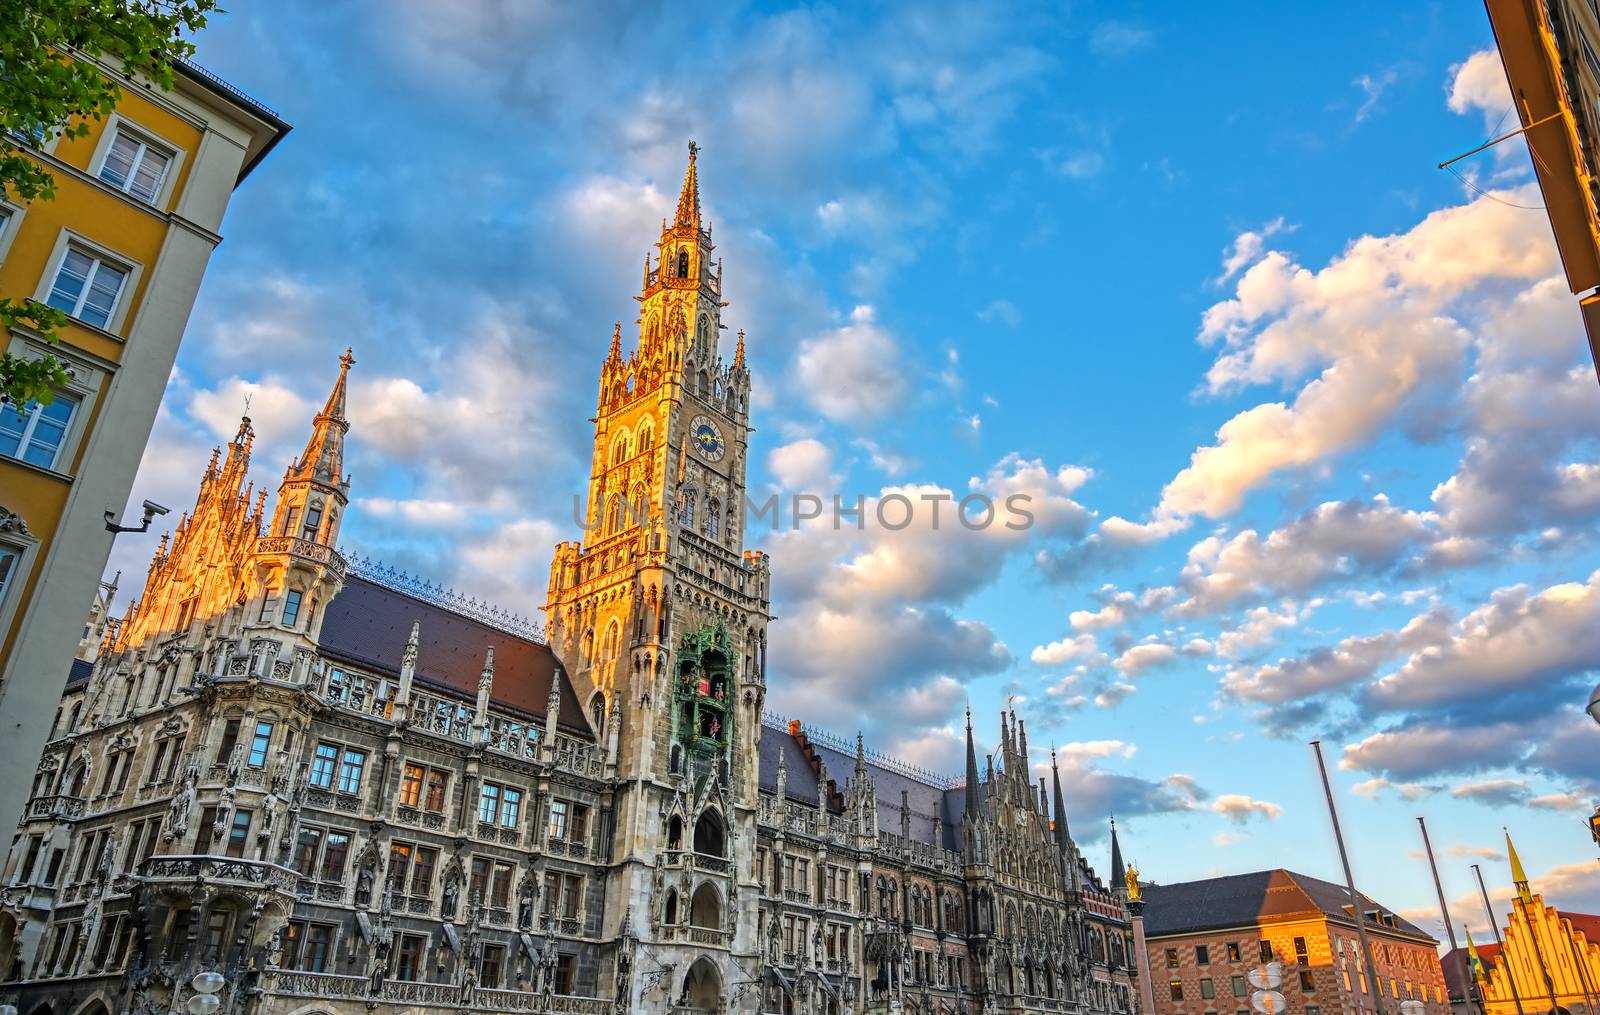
[
  {"x": 683, "y": 264},
  {"x": 313, "y": 521},
  {"x": 686, "y": 509},
  {"x": 291, "y": 607},
  {"x": 713, "y": 519}
]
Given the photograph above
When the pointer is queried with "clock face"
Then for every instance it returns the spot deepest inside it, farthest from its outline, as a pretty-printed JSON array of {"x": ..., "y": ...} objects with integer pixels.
[{"x": 707, "y": 438}]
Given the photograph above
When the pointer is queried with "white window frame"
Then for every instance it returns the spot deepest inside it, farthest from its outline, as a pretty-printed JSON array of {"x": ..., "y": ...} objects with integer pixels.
[
  {"x": 83, "y": 383},
  {"x": 119, "y": 313},
  {"x": 9, "y": 225},
  {"x": 149, "y": 138},
  {"x": 15, "y": 537},
  {"x": 30, "y": 424}
]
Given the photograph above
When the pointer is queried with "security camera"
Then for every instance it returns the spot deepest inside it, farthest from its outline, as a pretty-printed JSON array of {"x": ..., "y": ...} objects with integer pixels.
[{"x": 151, "y": 509}]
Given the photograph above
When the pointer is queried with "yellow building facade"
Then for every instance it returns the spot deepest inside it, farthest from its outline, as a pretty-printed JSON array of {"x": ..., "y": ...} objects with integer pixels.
[
  {"x": 1548, "y": 961},
  {"x": 121, "y": 250}
]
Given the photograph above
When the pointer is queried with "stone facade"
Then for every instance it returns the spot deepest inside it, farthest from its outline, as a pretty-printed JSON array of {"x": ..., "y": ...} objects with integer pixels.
[{"x": 347, "y": 790}]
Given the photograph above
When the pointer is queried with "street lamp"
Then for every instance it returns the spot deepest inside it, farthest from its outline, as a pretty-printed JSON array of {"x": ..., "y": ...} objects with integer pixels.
[{"x": 205, "y": 999}]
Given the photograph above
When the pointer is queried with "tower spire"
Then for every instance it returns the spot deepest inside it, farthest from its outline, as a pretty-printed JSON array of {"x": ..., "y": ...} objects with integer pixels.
[
  {"x": 1519, "y": 877},
  {"x": 1060, "y": 826},
  {"x": 689, "y": 200},
  {"x": 323, "y": 458},
  {"x": 1118, "y": 872},
  {"x": 972, "y": 771}
]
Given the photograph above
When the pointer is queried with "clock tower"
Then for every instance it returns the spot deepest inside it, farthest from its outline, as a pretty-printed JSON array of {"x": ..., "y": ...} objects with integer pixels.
[{"x": 659, "y": 615}]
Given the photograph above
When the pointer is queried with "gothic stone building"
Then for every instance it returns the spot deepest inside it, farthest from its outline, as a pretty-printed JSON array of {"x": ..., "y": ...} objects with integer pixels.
[{"x": 346, "y": 791}]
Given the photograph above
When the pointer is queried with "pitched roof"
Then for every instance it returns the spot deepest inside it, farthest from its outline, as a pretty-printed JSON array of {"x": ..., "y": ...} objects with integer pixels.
[
  {"x": 935, "y": 810},
  {"x": 1241, "y": 900},
  {"x": 368, "y": 624}
]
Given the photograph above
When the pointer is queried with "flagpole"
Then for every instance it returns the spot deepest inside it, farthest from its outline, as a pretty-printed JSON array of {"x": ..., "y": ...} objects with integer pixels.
[
  {"x": 1449, "y": 929},
  {"x": 1578, "y": 966},
  {"x": 1371, "y": 971},
  {"x": 1494, "y": 925}
]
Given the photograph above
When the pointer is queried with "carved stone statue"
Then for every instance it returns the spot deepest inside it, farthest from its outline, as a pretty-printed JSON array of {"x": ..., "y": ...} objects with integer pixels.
[{"x": 452, "y": 893}]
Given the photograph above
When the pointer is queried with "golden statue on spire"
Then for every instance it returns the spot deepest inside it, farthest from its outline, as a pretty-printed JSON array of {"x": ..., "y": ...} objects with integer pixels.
[{"x": 1131, "y": 876}]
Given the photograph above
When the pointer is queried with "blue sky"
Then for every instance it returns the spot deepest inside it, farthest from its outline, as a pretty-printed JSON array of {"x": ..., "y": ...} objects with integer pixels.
[{"x": 1308, "y": 422}]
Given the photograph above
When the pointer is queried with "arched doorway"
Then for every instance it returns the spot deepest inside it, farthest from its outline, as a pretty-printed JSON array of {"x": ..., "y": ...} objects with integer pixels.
[
  {"x": 675, "y": 833},
  {"x": 705, "y": 907},
  {"x": 708, "y": 834},
  {"x": 702, "y": 987}
]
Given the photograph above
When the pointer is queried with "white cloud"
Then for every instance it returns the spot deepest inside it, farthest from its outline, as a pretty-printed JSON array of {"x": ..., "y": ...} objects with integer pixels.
[
  {"x": 1080, "y": 752},
  {"x": 1247, "y": 248},
  {"x": 1139, "y": 659},
  {"x": 1066, "y": 650},
  {"x": 1518, "y": 639},
  {"x": 1374, "y": 325},
  {"x": 803, "y": 465},
  {"x": 1239, "y": 808},
  {"x": 1479, "y": 83},
  {"x": 853, "y": 373}
]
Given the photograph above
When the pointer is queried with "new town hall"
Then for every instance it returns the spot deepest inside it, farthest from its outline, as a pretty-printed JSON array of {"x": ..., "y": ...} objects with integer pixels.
[{"x": 344, "y": 791}]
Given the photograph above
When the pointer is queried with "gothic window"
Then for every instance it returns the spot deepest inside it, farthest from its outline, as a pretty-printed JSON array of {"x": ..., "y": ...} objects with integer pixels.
[
  {"x": 612, "y": 642},
  {"x": 313, "y": 521},
  {"x": 713, "y": 519},
  {"x": 619, "y": 512},
  {"x": 638, "y": 505},
  {"x": 704, "y": 382},
  {"x": 686, "y": 509},
  {"x": 597, "y": 713},
  {"x": 683, "y": 264},
  {"x": 646, "y": 438},
  {"x": 677, "y": 759},
  {"x": 708, "y": 834},
  {"x": 619, "y": 450}
]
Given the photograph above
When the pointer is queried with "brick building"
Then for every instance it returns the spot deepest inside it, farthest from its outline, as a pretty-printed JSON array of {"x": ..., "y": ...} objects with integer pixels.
[{"x": 1204, "y": 937}]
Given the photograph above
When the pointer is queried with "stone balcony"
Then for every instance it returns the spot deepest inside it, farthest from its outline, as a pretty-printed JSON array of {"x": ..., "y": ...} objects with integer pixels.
[
  {"x": 329, "y": 986},
  {"x": 305, "y": 549},
  {"x": 207, "y": 871},
  {"x": 55, "y": 808}
]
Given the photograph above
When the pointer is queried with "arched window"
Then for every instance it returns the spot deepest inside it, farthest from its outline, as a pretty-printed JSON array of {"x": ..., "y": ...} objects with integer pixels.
[
  {"x": 613, "y": 640},
  {"x": 619, "y": 512},
  {"x": 638, "y": 505},
  {"x": 708, "y": 834},
  {"x": 713, "y": 519},
  {"x": 675, "y": 833},
  {"x": 705, "y": 907},
  {"x": 619, "y": 450},
  {"x": 597, "y": 713},
  {"x": 647, "y": 438},
  {"x": 686, "y": 509},
  {"x": 683, "y": 264},
  {"x": 670, "y": 916}
]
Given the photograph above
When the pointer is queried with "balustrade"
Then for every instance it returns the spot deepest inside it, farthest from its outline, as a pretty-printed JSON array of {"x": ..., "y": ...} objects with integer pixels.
[
  {"x": 213, "y": 869},
  {"x": 305, "y": 549},
  {"x": 56, "y": 807}
]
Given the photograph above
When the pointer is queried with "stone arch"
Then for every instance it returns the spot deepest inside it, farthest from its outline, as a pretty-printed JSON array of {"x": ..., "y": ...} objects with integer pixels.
[
  {"x": 710, "y": 835},
  {"x": 702, "y": 986},
  {"x": 705, "y": 907},
  {"x": 94, "y": 1006}
]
